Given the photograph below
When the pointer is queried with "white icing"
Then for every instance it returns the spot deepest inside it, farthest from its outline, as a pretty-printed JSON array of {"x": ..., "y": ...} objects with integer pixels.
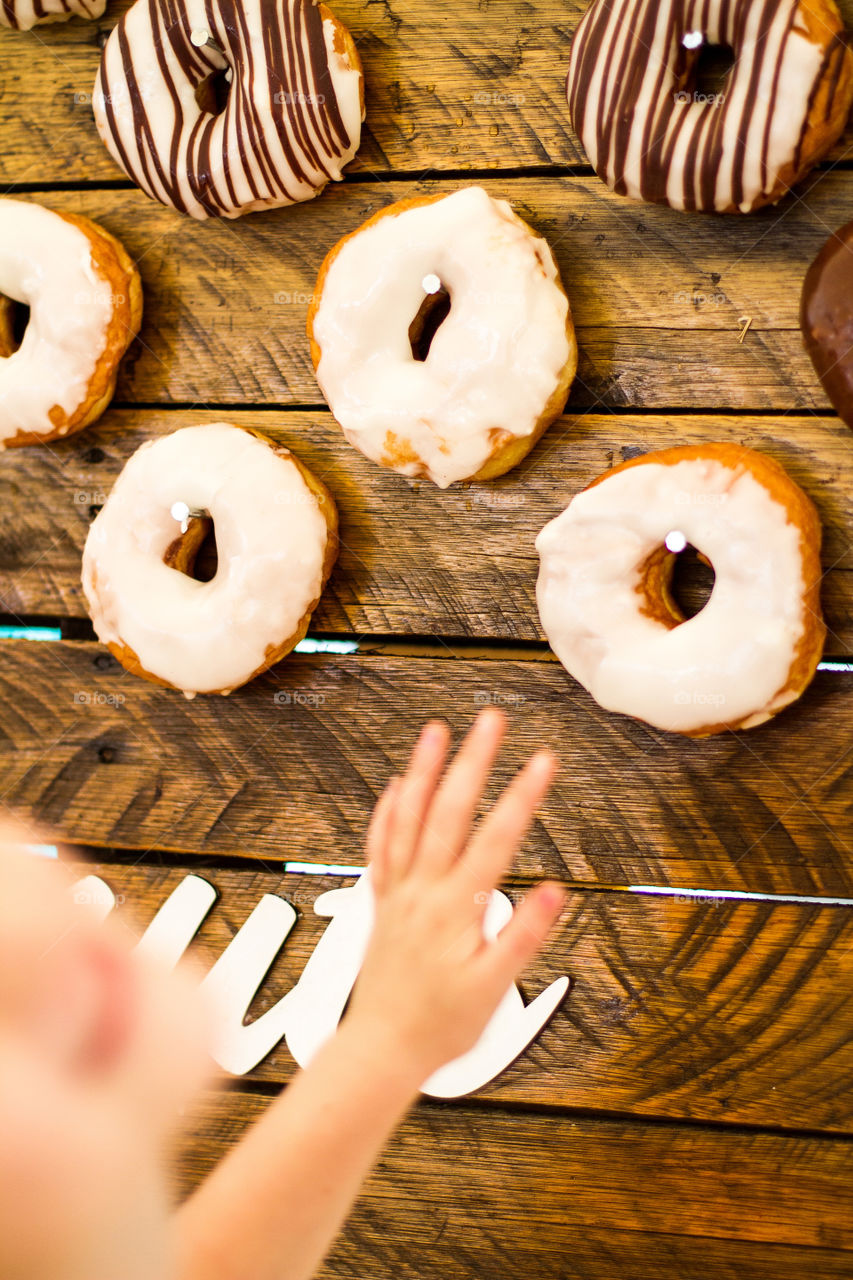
[
  {"x": 25, "y": 14},
  {"x": 494, "y": 362},
  {"x": 726, "y": 664},
  {"x": 270, "y": 536},
  {"x": 46, "y": 263},
  {"x": 347, "y": 85},
  {"x": 242, "y": 176}
]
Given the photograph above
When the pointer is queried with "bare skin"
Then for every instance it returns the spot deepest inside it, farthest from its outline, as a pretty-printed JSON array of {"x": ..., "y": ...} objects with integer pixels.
[{"x": 428, "y": 987}]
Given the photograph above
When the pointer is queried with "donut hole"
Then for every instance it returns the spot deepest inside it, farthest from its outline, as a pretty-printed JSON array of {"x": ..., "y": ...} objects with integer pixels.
[
  {"x": 692, "y": 582},
  {"x": 212, "y": 92},
  {"x": 194, "y": 552},
  {"x": 706, "y": 73},
  {"x": 14, "y": 318},
  {"x": 206, "y": 561},
  {"x": 431, "y": 315}
]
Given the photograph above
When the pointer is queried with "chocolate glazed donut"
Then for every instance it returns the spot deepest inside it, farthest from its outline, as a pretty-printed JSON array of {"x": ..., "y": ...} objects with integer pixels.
[
  {"x": 651, "y": 136},
  {"x": 220, "y": 107}
]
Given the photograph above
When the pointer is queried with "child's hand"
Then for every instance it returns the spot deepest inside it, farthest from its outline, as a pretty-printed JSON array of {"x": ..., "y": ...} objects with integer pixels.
[
  {"x": 430, "y": 982},
  {"x": 428, "y": 987}
]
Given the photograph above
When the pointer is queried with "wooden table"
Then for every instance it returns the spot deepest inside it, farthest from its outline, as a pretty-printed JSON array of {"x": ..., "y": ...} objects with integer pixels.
[{"x": 689, "y": 1111}]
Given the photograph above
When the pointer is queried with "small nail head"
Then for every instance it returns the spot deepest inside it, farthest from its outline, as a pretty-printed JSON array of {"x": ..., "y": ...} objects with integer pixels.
[
  {"x": 675, "y": 541},
  {"x": 183, "y": 513},
  {"x": 693, "y": 39},
  {"x": 431, "y": 283}
]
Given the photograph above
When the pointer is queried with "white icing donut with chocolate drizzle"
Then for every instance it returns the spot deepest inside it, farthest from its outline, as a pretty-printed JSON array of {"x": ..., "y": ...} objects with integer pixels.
[
  {"x": 24, "y": 14},
  {"x": 652, "y": 135},
  {"x": 292, "y": 116},
  {"x": 276, "y": 538},
  {"x": 604, "y": 589},
  {"x": 499, "y": 367}
]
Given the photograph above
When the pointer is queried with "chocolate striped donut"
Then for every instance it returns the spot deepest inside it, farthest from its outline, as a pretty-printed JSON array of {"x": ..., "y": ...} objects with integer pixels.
[
  {"x": 293, "y": 106},
  {"x": 24, "y": 14},
  {"x": 650, "y": 135}
]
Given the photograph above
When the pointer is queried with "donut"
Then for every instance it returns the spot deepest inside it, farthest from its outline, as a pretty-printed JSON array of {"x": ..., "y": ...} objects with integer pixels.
[
  {"x": 826, "y": 319},
  {"x": 651, "y": 135},
  {"x": 605, "y": 603},
  {"x": 499, "y": 367},
  {"x": 22, "y": 15},
  {"x": 218, "y": 109},
  {"x": 85, "y": 301},
  {"x": 275, "y": 526}
]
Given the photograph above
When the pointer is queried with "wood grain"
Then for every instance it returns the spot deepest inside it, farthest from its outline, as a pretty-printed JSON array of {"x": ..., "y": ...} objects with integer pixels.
[
  {"x": 414, "y": 560},
  {"x": 449, "y": 86},
  {"x": 493, "y": 1196},
  {"x": 290, "y": 766},
  {"x": 720, "y": 1010},
  {"x": 658, "y": 297}
]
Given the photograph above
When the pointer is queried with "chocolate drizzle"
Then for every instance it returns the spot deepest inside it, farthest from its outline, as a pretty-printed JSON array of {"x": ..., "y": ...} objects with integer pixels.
[
  {"x": 650, "y": 135},
  {"x": 281, "y": 135},
  {"x": 24, "y": 14},
  {"x": 826, "y": 319}
]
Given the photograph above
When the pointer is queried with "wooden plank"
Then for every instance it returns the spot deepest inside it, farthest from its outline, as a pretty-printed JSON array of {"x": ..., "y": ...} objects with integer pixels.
[
  {"x": 658, "y": 297},
  {"x": 449, "y": 86},
  {"x": 407, "y": 565},
  {"x": 465, "y": 1192},
  {"x": 109, "y": 759},
  {"x": 730, "y": 1011}
]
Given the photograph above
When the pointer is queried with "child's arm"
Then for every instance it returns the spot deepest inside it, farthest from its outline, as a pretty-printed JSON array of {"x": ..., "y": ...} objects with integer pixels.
[{"x": 428, "y": 987}]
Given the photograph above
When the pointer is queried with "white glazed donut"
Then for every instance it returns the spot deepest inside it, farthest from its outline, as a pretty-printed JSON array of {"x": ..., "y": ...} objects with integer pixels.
[
  {"x": 24, "y": 14},
  {"x": 85, "y": 303},
  {"x": 606, "y": 608},
  {"x": 291, "y": 120},
  {"x": 276, "y": 536},
  {"x": 500, "y": 365}
]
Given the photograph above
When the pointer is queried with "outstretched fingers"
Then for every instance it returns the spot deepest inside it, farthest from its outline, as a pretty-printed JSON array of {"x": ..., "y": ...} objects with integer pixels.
[
  {"x": 378, "y": 833},
  {"x": 451, "y": 813},
  {"x": 492, "y": 849},
  {"x": 517, "y": 944},
  {"x": 414, "y": 795}
]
